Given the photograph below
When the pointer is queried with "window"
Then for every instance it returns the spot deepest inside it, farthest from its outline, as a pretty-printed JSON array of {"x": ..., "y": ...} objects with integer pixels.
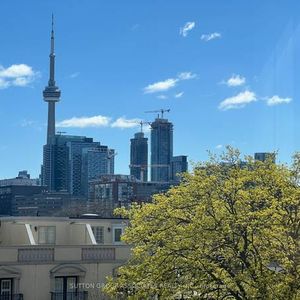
[
  {"x": 47, "y": 234},
  {"x": 117, "y": 233},
  {"x": 5, "y": 288},
  {"x": 66, "y": 288},
  {"x": 98, "y": 232}
]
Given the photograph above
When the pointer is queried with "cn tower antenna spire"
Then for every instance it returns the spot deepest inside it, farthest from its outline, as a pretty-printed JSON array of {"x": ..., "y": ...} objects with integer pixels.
[
  {"x": 51, "y": 92},
  {"x": 52, "y": 22},
  {"x": 52, "y": 56},
  {"x": 52, "y": 34}
]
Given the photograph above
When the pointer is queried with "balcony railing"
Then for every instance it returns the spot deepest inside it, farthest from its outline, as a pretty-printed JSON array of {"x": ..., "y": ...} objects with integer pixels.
[
  {"x": 35, "y": 254},
  {"x": 63, "y": 253},
  {"x": 98, "y": 254},
  {"x": 79, "y": 295},
  {"x": 12, "y": 297}
]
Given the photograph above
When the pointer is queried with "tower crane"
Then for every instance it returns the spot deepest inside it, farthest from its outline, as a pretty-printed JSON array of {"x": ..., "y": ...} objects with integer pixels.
[
  {"x": 161, "y": 111},
  {"x": 142, "y": 123}
]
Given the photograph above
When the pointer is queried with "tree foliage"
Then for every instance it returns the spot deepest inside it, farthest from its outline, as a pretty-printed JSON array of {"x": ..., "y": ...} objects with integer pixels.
[{"x": 231, "y": 230}]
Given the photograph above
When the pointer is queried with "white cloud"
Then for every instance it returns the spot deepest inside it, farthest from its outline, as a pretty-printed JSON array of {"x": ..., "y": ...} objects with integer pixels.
[
  {"x": 21, "y": 81},
  {"x": 210, "y": 36},
  {"x": 275, "y": 100},
  {"x": 236, "y": 80},
  {"x": 186, "y": 76},
  {"x": 167, "y": 84},
  {"x": 179, "y": 95},
  {"x": 219, "y": 146},
  {"x": 15, "y": 71},
  {"x": 16, "y": 75},
  {"x": 74, "y": 75},
  {"x": 186, "y": 28},
  {"x": 125, "y": 123},
  {"x": 160, "y": 86},
  {"x": 3, "y": 83},
  {"x": 95, "y": 121},
  {"x": 238, "y": 101},
  {"x": 162, "y": 97},
  {"x": 82, "y": 122}
]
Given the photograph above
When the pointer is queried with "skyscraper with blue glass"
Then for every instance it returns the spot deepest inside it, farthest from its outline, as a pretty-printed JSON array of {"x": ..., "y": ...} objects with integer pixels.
[
  {"x": 161, "y": 149},
  {"x": 139, "y": 156}
]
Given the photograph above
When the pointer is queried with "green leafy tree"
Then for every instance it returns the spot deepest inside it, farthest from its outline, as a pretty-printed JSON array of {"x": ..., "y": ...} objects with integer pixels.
[{"x": 231, "y": 230}]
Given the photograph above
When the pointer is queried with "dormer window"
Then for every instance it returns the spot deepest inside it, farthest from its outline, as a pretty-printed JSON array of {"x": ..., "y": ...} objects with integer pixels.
[
  {"x": 117, "y": 233},
  {"x": 46, "y": 234},
  {"x": 98, "y": 234}
]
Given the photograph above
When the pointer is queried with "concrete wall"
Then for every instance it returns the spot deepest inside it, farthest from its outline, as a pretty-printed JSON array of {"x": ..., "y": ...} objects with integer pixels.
[{"x": 13, "y": 233}]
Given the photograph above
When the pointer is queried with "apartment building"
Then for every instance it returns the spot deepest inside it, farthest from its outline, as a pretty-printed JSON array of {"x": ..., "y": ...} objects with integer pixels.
[{"x": 44, "y": 258}]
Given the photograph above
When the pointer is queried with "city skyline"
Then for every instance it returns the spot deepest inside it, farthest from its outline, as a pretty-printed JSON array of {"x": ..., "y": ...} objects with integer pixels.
[{"x": 110, "y": 104}]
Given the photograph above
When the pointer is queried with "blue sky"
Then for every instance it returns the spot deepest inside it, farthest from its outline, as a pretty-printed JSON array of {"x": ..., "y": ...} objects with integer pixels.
[{"x": 226, "y": 69}]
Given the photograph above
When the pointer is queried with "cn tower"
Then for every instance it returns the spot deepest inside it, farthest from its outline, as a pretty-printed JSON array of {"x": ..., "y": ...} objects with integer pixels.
[{"x": 51, "y": 92}]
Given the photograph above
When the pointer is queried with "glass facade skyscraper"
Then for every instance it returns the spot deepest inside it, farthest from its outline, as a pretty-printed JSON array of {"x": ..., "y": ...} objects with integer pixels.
[
  {"x": 139, "y": 156},
  {"x": 179, "y": 164},
  {"x": 95, "y": 162},
  {"x": 55, "y": 166},
  {"x": 67, "y": 157},
  {"x": 161, "y": 149}
]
